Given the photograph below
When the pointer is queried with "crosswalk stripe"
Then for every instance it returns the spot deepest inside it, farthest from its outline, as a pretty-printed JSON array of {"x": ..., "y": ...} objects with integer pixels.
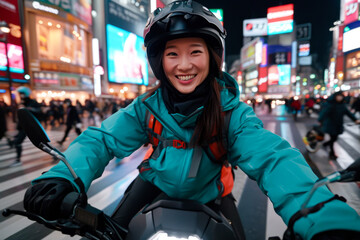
[
  {"x": 13, "y": 225},
  {"x": 286, "y": 133},
  {"x": 22, "y": 179},
  {"x": 351, "y": 140}
]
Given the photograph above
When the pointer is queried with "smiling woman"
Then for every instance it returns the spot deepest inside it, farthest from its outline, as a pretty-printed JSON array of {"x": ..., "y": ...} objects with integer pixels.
[{"x": 186, "y": 63}]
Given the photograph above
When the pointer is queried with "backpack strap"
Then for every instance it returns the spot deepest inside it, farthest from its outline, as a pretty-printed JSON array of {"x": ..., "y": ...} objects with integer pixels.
[{"x": 216, "y": 151}]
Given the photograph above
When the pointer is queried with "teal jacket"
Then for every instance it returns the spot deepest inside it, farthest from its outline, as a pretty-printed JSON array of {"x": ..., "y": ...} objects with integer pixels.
[{"x": 280, "y": 170}]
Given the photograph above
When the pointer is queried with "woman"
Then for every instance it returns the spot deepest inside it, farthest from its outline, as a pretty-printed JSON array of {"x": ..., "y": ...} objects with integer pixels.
[
  {"x": 185, "y": 46},
  {"x": 331, "y": 118}
]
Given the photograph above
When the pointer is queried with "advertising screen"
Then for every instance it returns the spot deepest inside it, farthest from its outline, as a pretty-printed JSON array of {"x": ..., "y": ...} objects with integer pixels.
[
  {"x": 15, "y": 56},
  {"x": 279, "y": 74},
  {"x": 351, "y": 37},
  {"x": 127, "y": 61}
]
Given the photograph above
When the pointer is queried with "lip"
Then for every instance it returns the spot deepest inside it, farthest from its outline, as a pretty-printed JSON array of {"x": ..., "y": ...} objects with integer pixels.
[{"x": 185, "y": 82}]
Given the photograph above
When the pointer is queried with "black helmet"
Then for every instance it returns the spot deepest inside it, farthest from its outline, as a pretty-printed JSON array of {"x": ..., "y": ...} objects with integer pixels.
[{"x": 181, "y": 19}]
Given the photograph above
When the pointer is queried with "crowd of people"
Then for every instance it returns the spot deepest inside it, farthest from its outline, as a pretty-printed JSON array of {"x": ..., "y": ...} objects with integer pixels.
[{"x": 55, "y": 114}]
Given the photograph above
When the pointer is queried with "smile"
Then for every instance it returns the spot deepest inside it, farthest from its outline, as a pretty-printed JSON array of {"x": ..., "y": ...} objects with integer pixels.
[{"x": 185, "y": 77}]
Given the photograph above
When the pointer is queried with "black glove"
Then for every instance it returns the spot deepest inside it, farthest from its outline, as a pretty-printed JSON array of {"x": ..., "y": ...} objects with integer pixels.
[
  {"x": 44, "y": 198},
  {"x": 337, "y": 235}
]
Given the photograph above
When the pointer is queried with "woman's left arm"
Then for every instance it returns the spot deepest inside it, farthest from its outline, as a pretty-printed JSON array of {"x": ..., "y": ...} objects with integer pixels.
[{"x": 283, "y": 175}]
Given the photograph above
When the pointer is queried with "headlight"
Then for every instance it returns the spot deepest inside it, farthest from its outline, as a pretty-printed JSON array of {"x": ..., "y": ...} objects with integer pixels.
[{"x": 164, "y": 236}]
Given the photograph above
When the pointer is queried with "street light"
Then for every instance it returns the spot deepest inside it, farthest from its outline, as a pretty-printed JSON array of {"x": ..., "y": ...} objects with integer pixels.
[{"x": 4, "y": 30}]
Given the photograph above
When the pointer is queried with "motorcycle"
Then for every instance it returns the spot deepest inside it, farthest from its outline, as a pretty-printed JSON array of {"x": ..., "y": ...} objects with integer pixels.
[{"x": 163, "y": 219}]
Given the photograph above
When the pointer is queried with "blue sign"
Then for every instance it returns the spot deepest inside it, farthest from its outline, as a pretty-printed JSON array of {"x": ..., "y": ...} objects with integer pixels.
[{"x": 280, "y": 27}]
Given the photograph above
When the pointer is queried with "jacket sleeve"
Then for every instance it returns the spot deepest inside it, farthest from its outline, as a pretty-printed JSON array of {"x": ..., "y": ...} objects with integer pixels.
[
  {"x": 350, "y": 114},
  {"x": 119, "y": 136},
  {"x": 283, "y": 175}
]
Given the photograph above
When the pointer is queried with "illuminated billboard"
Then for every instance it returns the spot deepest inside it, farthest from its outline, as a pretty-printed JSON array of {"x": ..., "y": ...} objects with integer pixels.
[
  {"x": 279, "y": 75},
  {"x": 255, "y": 27},
  {"x": 351, "y": 37},
  {"x": 127, "y": 61},
  {"x": 280, "y": 19},
  {"x": 15, "y": 56}
]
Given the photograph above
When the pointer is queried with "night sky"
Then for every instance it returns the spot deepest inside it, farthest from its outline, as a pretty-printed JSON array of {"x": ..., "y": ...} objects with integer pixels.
[{"x": 321, "y": 13}]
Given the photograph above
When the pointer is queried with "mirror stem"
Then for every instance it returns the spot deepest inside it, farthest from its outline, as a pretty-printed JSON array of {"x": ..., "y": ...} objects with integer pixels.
[{"x": 59, "y": 156}]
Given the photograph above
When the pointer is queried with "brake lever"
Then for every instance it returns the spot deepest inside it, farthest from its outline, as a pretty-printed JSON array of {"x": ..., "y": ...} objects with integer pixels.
[{"x": 63, "y": 225}]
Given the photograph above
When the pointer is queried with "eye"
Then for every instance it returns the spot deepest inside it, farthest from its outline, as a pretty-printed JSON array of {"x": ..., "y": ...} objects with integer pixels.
[
  {"x": 196, "y": 52},
  {"x": 171, "y": 54}
]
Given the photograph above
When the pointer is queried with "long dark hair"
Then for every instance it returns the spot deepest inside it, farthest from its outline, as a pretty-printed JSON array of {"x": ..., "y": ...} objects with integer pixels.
[{"x": 210, "y": 122}]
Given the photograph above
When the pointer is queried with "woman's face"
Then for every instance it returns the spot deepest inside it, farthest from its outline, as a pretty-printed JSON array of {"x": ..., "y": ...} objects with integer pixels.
[{"x": 186, "y": 63}]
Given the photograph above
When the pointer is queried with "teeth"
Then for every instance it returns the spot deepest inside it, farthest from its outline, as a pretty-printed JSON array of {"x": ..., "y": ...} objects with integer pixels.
[{"x": 185, "y": 78}]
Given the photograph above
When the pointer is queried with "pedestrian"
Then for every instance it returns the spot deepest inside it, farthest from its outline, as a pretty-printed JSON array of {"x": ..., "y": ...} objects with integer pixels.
[
  {"x": 309, "y": 106},
  {"x": 72, "y": 120},
  {"x": 3, "y": 123},
  {"x": 184, "y": 43},
  {"x": 35, "y": 108},
  {"x": 331, "y": 118},
  {"x": 295, "y": 106},
  {"x": 90, "y": 108}
]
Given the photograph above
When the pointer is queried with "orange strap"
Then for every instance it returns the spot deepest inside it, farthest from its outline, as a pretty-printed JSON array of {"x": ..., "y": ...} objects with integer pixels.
[{"x": 227, "y": 179}]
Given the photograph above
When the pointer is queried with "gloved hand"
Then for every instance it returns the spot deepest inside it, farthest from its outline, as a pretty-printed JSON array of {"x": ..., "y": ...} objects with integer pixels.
[
  {"x": 44, "y": 198},
  {"x": 337, "y": 235}
]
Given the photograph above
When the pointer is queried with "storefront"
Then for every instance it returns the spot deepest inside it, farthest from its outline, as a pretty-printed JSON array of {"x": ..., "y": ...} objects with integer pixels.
[
  {"x": 12, "y": 67},
  {"x": 251, "y": 59},
  {"x": 58, "y": 38}
]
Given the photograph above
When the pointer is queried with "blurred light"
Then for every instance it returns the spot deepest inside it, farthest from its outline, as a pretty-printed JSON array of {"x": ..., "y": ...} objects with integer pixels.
[
  {"x": 27, "y": 76},
  {"x": 41, "y": 22},
  {"x": 4, "y": 27},
  {"x": 126, "y": 88},
  {"x": 111, "y": 90},
  {"x": 93, "y": 13},
  {"x": 338, "y": 22},
  {"x": 298, "y": 78},
  {"x": 164, "y": 236},
  {"x": 312, "y": 76},
  {"x": 50, "y": 24},
  {"x": 97, "y": 85},
  {"x": 121, "y": 91},
  {"x": 65, "y": 59},
  {"x": 58, "y": 25},
  {"x": 296, "y": 98},
  {"x": 95, "y": 51},
  {"x": 38, "y": 6},
  {"x": 345, "y": 87}
]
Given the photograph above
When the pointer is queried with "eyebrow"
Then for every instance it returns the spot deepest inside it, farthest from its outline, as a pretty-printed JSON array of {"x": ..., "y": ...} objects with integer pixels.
[{"x": 191, "y": 45}]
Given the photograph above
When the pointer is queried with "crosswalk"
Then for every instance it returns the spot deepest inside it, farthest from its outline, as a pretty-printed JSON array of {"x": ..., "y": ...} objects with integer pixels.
[{"x": 107, "y": 191}]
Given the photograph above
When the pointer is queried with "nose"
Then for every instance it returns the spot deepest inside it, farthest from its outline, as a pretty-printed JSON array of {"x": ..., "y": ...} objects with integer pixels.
[{"x": 184, "y": 63}]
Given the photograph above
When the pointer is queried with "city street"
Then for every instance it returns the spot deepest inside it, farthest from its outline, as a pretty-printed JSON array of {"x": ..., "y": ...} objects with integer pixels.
[{"x": 258, "y": 217}]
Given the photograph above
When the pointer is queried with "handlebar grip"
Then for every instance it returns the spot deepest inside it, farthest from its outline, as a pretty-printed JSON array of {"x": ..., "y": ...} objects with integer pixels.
[{"x": 68, "y": 204}]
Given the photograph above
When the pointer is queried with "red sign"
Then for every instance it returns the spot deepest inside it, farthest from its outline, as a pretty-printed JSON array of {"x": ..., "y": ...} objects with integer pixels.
[
  {"x": 263, "y": 80},
  {"x": 273, "y": 75},
  {"x": 280, "y": 13},
  {"x": 351, "y": 11}
]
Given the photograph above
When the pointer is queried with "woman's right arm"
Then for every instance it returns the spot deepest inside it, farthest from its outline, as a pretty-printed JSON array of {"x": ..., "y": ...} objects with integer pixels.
[{"x": 119, "y": 136}]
